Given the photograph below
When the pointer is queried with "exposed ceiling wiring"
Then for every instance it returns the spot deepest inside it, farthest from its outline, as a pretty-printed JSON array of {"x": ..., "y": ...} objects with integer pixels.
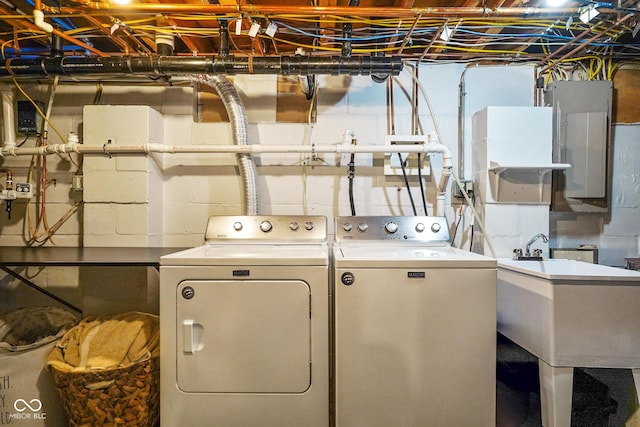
[{"x": 506, "y": 32}]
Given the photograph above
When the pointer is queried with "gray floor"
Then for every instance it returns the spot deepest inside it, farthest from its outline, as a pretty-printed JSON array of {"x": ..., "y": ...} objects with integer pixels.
[{"x": 601, "y": 397}]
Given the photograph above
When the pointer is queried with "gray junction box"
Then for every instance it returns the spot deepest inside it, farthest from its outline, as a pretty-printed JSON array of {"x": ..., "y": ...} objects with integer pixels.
[{"x": 581, "y": 137}]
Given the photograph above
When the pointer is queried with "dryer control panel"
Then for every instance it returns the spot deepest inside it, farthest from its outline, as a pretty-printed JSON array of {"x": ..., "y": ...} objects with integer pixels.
[
  {"x": 267, "y": 228},
  {"x": 424, "y": 229}
]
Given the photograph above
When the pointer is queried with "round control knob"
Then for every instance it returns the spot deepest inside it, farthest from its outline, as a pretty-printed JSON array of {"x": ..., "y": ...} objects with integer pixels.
[
  {"x": 294, "y": 225},
  {"x": 347, "y": 226},
  {"x": 419, "y": 227},
  {"x": 308, "y": 226},
  {"x": 266, "y": 226},
  {"x": 237, "y": 226},
  {"x": 363, "y": 227},
  {"x": 391, "y": 227},
  {"x": 435, "y": 227}
]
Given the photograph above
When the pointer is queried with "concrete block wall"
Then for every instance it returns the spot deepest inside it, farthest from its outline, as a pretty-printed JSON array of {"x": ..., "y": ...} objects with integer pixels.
[
  {"x": 616, "y": 234},
  {"x": 122, "y": 193},
  {"x": 511, "y": 226},
  {"x": 179, "y": 191}
]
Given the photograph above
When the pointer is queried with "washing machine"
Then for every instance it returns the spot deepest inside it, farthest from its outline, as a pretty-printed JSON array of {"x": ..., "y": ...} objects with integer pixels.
[
  {"x": 244, "y": 322},
  {"x": 415, "y": 326}
]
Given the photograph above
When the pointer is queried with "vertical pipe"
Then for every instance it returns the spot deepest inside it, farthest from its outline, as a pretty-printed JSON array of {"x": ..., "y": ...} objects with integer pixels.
[
  {"x": 8, "y": 116},
  {"x": 224, "y": 37}
]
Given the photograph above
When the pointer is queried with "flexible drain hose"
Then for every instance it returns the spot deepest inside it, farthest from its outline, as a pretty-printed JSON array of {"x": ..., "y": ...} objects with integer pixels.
[{"x": 238, "y": 118}]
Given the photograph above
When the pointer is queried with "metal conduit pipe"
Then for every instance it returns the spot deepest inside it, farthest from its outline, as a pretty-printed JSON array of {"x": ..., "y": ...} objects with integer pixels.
[
  {"x": 238, "y": 118},
  {"x": 190, "y": 65}
]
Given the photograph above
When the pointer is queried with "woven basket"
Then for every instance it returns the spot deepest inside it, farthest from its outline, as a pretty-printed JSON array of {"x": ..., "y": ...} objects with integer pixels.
[{"x": 124, "y": 396}]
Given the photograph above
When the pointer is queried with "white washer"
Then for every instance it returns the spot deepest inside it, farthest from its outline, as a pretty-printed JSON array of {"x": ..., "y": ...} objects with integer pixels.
[
  {"x": 244, "y": 325},
  {"x": 415, "y": 326}
]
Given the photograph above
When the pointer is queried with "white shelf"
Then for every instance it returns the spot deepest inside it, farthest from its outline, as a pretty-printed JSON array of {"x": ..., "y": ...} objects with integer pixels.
[
  {"x": 497, "y": 168},
  {"x": 541, "y": 170}
]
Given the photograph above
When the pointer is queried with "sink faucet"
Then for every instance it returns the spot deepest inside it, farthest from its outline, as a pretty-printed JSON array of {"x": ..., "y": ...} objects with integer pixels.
[{"x": 527, "y": 251}]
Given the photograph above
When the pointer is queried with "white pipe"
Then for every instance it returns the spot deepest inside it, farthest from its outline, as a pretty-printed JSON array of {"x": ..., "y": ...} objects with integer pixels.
[
  {"x": 8, "y": 116},
  {"x": 38, "y": 19},
  {"x": 214, "y": 149},
  {"x": 73, "y": 146}
]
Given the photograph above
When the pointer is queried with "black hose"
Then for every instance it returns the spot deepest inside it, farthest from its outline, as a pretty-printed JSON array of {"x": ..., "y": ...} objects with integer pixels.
[
  {"x": 406, "y": 181},
  {"x": 352, "y": 172},
  {"x": 424, "y": 197}
]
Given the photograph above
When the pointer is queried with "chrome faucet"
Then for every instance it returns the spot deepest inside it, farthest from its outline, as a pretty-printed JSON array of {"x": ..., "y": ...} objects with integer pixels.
[{"x": 527, "y": 251}]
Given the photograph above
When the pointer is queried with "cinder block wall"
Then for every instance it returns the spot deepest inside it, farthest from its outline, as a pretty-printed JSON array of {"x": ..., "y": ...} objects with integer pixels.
[{"x": 166, "y": 199}]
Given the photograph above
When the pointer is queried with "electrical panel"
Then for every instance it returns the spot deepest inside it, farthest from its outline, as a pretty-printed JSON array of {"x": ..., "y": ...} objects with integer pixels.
[
  {"x": 581, "y": 135},
  {"x": 29, "y": 120}
]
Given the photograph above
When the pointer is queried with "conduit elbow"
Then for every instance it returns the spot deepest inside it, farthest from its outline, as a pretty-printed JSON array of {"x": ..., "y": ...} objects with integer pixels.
[{"x": 38, "y": 19}]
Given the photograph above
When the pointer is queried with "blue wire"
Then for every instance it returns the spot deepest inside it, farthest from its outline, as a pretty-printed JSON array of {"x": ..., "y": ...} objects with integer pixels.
[{"x": 65, "y": 23}]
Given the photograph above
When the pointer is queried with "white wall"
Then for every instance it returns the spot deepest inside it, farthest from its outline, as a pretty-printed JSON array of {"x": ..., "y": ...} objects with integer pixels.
[{"x": 193, "y": 187}]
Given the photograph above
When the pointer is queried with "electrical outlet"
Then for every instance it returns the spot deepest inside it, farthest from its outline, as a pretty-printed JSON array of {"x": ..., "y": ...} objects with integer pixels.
[
  {"x": 468, "y": 188},
  {"x": 77, "y": 183}
]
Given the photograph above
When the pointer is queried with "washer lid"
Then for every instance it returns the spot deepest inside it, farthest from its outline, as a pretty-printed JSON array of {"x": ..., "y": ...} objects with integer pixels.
[{"x": 390, "y": 255}]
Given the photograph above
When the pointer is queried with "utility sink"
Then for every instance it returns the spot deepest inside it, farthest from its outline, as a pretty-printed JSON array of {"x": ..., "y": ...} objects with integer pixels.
[{"x": 570, "y": 314}]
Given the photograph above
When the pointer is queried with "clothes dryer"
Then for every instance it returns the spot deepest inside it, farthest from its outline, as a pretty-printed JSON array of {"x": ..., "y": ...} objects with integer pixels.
[
  {"x": 415, "y": 326},
  {"x": 244, "y": 325}
]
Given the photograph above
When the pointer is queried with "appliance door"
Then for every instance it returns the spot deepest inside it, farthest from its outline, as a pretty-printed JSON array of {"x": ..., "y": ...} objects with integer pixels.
[
  {"x": 415, "y": 347},
  {"x": 243, "y": 336}
]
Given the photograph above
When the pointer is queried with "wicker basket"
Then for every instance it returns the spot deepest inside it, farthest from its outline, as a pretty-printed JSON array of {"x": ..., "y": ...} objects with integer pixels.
[
  {"x": 126, "y": 393},
  {"x": 127, "y": 396}
]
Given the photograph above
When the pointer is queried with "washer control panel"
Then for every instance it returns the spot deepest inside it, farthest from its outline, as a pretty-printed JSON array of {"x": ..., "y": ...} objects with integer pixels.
[
  {"x": 401, "y": 228},
  {"x": 266, "y": 228}
]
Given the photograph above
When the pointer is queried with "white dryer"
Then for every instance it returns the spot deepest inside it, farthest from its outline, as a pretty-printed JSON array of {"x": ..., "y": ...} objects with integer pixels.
[
  {"x": 415, "y": 326},
  {"x": 244, "y": 325}
]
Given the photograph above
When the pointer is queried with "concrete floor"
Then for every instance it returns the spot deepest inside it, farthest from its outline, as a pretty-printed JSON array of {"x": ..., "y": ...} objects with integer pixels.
[{"x": 601, "y": 397}]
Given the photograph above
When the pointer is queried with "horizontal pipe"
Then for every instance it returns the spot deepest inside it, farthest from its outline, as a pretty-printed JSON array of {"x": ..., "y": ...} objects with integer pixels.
[
  {"x": 107, "y": 149},
  {"x": 276, "y": 9},
  {"x": 176, "y": 65}
]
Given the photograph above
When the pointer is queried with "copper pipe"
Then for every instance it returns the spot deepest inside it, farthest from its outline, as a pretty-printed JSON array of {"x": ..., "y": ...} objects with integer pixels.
[{"x": 394, "y": 12}]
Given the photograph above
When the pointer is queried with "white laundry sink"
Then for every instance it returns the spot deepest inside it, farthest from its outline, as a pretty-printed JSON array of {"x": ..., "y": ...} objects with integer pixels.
[{"x": 570, "y": 314}]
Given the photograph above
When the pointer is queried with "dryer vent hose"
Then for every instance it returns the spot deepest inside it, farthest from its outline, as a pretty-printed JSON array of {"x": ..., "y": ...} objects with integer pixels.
[{"x": 238, "y": 118}]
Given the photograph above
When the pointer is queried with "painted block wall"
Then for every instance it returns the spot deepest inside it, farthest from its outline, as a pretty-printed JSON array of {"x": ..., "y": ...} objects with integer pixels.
[
  {"x": 184, "y": 190},
  {"x": 122, "y": 194}
]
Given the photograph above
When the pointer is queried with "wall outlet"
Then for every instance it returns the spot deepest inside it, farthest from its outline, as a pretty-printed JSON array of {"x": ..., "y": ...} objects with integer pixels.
[
  {"x": 457, "y": 193},
  {"x": 77, "y": 183}
]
